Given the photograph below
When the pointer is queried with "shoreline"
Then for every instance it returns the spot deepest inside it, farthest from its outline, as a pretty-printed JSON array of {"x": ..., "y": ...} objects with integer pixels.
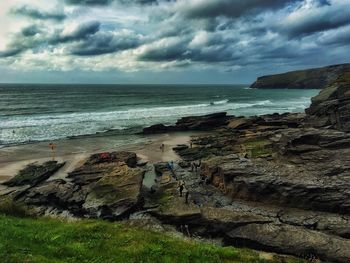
[{"x": 75, "y": 151}]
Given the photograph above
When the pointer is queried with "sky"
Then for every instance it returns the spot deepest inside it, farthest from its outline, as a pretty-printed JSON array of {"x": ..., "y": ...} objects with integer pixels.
[{"x": 168, "y": 41}]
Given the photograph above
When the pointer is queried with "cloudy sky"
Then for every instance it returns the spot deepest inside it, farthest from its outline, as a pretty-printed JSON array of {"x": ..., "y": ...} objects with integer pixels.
[{"x": 168, "y": 41}]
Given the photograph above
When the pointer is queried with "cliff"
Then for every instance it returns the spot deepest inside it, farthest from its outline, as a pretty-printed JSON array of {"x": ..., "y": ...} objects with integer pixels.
[
  {"x": 317, "y": 78},
  {"x": 331, "y": 107}
]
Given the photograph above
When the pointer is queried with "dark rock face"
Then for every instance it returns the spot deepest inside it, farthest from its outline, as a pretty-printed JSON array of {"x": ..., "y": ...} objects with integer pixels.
[
  {"x": 291, "y": 239},
  {"x": 106, "y": 186},
  {"x": 34, "y": 174},
  {"x": 193, "y": 123},
  {"x": 311, "y": 171},
  {"x": 332, "y": 106},
  {"x": 157, "y": 128},
  {"x": 249, "y": 224},
  {"x": 317, "y": 78},
  {"x": 205, "y": 122}
]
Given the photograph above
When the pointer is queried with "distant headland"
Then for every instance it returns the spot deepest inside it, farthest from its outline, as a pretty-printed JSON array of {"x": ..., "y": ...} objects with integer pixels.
[{"x": 316, "y": 78}]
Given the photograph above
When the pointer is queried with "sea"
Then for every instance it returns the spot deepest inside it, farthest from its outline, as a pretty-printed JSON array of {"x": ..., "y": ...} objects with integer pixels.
[{"x": 31, "y": 113}]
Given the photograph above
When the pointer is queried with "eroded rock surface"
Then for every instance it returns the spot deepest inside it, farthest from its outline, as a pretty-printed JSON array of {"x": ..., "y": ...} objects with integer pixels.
[
  {"x": 332, "y": 106},
  {"x": 106, "y": 186},
  {"x": 34, "y": 174}
]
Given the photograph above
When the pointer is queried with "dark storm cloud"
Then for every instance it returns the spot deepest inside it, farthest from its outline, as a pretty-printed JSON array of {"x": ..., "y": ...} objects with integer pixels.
[
  {"x": 86, "y": 39},
  {"x": 82, "y": 32},
  {"x": 338, "y": 37},
  {"x": 166, "y": 50},
  {"x": 229, "y": 8},
  {"x": 107, "y": 2},
  {"x": 316, "y": 20},
  {"x": 213, "y": 49},
  {"x": 104, "y": 43},
  {"x": 23, "y": 40},
  {"x": 10, "y": 53},
  {"x": 38, "y": 14},
  {"x": 225, "y": 34},
  {"x": 88, "y": 2},
  {"x": 323, "y": 2},
  {"x": 31, "y": 30}
]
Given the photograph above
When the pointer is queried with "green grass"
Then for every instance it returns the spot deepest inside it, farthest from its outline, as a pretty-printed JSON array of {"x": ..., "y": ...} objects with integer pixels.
[
  {"x": 258, "y": 148},
  {"x": 50, "y": 240},
  {"x": 9, "y": 207}
]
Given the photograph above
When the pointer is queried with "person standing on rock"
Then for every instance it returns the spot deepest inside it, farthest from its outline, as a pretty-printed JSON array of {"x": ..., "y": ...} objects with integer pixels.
[
  {"x": 186, "y": 193},
  {"x": 181, "y": 186}
]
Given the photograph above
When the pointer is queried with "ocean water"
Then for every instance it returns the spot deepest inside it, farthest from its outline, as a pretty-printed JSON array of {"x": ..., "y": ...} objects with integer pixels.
[{"x": 47, "y": 112}]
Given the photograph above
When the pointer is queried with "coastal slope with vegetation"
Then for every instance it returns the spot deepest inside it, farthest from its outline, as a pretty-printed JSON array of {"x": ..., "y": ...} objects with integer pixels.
[
  {"x": 52, "y": 240},
  {"x": 317, "y": 78}
]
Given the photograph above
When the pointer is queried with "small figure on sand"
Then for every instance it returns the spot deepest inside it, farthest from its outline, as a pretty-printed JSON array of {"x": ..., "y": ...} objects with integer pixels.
[
  {"x": 162, "y": 146},
  {"x": 52, "y": 147},
  {"x": 181, "y": 185},
  {"x": 191, "y": 145}
]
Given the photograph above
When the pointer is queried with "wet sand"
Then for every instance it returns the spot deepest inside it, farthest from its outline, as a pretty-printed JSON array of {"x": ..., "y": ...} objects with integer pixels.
[{"x": 75, "y": 151}]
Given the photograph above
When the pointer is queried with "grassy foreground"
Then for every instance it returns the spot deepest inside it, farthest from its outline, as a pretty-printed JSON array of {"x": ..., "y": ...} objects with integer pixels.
[{"x": 50, "y": 240}]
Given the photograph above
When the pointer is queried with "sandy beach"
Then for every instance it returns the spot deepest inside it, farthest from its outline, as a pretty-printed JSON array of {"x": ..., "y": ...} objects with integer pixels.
[{"x": 75, "y": 151}]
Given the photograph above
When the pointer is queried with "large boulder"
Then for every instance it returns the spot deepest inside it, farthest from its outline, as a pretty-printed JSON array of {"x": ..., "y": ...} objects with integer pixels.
[
  {"x": 156, "y": 128},
  {"x": 193, "y": 123},
  {"x": 116, "y": 193},
  {"x": 239, "y": 123},
  {"x": 205, "y": 122}
]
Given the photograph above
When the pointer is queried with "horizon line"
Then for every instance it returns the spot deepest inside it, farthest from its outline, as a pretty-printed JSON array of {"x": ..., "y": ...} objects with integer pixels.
[{"x": 110, "y": 84}]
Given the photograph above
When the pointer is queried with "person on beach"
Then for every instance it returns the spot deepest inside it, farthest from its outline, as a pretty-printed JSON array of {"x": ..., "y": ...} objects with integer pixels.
[
  {"x": 181, "y": 186},
  {"x": 162, "y": 147},
  {"x": 191, "y": 145},
  {"x": 52, "y": 147}
]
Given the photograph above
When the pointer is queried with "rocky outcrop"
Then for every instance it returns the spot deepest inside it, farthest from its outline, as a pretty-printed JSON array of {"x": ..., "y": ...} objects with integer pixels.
[
  {"x": 34, "y": 174},
  {"x": 310, "y": 169},
  {"x": 318, "y": 78},
  {"x": 106, "y": 186},
  {"x": 292, "y": 240},
  {"x": 258, "y": 225},
  {"x": 331, "y": 108},
  {"x": 192, "y": 123}
]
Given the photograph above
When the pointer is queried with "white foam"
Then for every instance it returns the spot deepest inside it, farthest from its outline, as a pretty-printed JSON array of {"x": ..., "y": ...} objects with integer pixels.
[
  {"x": 131, "y": 114},
  {"x": 220, "y": 102}
]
